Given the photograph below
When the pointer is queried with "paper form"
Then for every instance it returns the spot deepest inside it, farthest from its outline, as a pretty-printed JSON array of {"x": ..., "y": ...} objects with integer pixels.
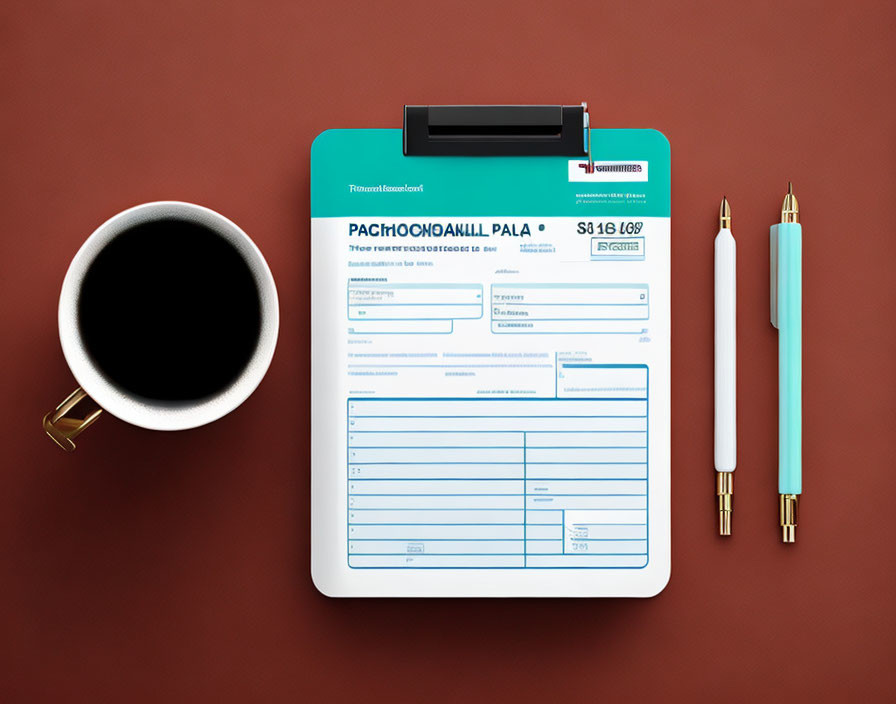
[{"x": 490, "y": 398}]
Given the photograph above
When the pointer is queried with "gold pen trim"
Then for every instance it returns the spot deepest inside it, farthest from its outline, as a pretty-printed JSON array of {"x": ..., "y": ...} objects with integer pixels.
[
  {"x": 725, "y": 492},
  {"x": 788, "y": 511}
]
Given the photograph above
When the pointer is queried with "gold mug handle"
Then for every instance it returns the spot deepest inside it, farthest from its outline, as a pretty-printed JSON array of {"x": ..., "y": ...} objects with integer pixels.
[{"x": 62, "y": 427}]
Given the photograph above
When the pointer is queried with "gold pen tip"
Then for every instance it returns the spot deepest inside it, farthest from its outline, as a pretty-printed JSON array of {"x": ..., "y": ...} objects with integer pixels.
[
  {"x": 724, "y": 214},
  {"x": 790, "y": 209}
]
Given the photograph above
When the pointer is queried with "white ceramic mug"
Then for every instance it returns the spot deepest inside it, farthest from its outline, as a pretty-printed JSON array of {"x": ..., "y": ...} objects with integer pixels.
[{"x": 98, "y": 393}]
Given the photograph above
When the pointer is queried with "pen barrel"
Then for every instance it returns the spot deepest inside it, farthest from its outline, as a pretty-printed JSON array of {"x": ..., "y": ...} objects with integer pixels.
[
  {"x": 725, "y": 352},
  {"x": 790, "y": 350}
]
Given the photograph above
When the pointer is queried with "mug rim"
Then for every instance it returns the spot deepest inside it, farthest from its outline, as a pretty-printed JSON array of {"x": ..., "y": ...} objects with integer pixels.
[{"x": 151, "y": 413}]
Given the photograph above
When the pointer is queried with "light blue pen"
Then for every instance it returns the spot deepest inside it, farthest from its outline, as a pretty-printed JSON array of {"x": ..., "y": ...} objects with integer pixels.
[{"x": 787, "y": 316}]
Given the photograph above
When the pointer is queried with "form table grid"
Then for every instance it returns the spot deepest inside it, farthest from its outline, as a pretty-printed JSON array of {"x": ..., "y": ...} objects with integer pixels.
[{"x": 502, "y": 484}]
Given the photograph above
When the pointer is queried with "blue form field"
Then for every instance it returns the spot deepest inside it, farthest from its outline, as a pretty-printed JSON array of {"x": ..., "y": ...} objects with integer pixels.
[
  {"x": 395, "y": 308},
  {"x": 569, "y": 308}
]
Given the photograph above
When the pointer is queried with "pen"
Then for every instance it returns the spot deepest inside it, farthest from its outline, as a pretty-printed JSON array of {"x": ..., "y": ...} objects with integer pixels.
[
  {"x": 786, "y": 309},
  {"x": 725, "y": 366}
]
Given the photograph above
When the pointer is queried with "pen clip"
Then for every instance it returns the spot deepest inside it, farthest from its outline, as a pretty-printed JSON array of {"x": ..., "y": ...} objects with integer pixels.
[
  {"x": 589, "y": 167},
  {"x": 773, "y": 271}
]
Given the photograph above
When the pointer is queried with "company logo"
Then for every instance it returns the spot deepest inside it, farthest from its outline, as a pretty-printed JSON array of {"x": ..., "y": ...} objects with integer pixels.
[
  {"x": 607, "y": 171},
  {"x": 629, "y": 248},
  {"x": 612, "y": 168}
]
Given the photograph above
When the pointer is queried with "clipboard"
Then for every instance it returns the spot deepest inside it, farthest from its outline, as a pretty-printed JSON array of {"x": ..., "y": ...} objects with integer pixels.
[{"x": 490, "y": 356}]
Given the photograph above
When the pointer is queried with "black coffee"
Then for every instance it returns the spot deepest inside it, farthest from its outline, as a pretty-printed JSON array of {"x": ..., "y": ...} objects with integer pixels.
[{"x": 170, "y": 311}]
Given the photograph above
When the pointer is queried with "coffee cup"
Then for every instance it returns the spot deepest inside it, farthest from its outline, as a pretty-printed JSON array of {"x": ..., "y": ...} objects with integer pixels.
[{"x": 168, "y": 319}]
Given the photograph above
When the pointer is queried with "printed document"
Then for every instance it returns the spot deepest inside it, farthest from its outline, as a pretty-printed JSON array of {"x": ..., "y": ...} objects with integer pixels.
[{"x": 490, "y": 389}]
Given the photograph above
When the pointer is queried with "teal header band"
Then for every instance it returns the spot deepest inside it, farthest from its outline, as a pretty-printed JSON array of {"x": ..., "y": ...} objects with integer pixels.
[{"x": 365, "y": 173}]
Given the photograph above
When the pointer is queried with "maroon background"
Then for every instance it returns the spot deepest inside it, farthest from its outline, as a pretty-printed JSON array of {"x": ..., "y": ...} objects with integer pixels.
[{"x": 175, "y": 567}]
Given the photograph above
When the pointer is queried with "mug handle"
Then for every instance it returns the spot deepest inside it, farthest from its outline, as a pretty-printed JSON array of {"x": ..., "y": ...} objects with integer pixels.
[{"x": 62, "y": 428}]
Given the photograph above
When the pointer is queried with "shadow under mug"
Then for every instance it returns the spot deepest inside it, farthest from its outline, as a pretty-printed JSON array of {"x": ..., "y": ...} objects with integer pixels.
[{"x": 97, "y": 392}]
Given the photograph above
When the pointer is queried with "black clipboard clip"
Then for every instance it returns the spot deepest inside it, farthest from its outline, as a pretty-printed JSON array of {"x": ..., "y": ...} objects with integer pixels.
[{"x": 498, "y": 130}]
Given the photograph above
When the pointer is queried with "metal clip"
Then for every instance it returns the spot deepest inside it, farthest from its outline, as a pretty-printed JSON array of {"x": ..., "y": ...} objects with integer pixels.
[
  {"x": 586, "y": 118},
  {"x": 63, "y": 429},
  {"x": 773, "y": 271}
]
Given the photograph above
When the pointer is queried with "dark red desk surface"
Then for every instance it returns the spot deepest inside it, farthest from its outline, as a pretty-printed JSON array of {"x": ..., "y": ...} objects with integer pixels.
[{"x": 175, "y": 567}]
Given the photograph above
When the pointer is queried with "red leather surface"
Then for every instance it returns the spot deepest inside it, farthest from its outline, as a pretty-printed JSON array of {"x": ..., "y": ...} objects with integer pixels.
[{"x": 175, "y": 567}]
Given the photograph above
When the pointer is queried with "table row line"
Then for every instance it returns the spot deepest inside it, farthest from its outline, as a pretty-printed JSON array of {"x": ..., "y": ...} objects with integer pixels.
[
  {"x": 548, "y": 517},
  {"x": 447, "y": 470},
  {"x": 497, "y": 547},
  {"x": 594, "y": 438},
  {"x": 449, "y": 408},
  {"x": 523, "y": 532},
  {"x": 479, "y": 531},
  {"x": 496, "y": 561},
  {"x": 487, "y": 455},
  {"x": 495, "y": 501},
  {"x": 451, "y": 487},
  {"x": 611, "y": 422}
]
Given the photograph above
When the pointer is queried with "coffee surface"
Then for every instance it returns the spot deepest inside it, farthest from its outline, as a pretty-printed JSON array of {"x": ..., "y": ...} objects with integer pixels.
[{"x": 170, "y": 311}]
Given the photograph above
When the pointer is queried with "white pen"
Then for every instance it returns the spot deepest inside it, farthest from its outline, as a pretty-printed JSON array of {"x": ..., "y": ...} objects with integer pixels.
[{"x": 725, "y": 366}]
